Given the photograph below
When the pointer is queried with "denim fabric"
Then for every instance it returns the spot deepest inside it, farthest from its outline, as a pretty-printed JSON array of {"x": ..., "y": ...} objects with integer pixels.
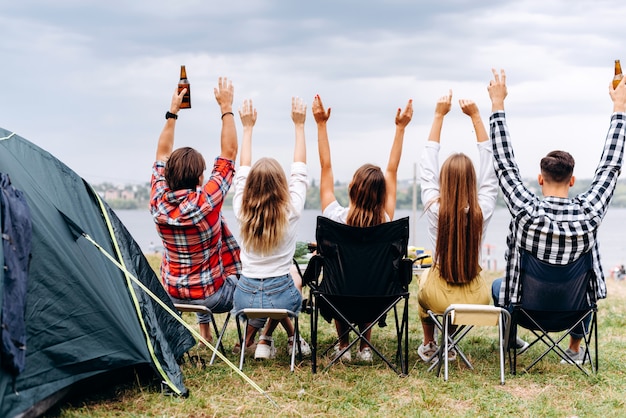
[
  {"x": 219, "y": 302},
  {"x": 270, "y": 293}
]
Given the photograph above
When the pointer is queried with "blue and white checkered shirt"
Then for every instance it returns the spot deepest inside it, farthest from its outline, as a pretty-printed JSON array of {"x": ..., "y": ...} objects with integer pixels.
[{"x": 555, "y": 230}]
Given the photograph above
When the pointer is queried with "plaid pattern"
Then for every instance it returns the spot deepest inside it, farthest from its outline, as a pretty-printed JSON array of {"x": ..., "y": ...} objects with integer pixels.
[
  {"x": 199, "y": 248},
  {"x": 555, "y": 230}
]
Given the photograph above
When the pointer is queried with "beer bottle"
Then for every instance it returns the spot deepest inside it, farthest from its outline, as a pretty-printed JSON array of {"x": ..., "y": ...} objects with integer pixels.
[
  {"x": 183, "y": 83},
  {"x": 618, "y": 74}
]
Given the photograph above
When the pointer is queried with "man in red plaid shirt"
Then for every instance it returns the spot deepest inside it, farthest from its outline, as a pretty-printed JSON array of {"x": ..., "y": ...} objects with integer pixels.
[{"x": 200, "y": 261}]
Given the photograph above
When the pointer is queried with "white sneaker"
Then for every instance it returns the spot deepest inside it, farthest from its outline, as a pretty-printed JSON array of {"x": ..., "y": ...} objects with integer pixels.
[
  {"x": 347, "y": 357},
  {"x": 265, "y": 351},
  {"x": 304, "y": 346},
  {"x": 365, "y": 354},
  {"x": 427, "y": 352}
]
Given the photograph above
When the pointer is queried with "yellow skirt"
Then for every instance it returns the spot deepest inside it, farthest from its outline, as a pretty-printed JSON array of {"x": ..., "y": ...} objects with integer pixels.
[{"x": 436, "y": 294}]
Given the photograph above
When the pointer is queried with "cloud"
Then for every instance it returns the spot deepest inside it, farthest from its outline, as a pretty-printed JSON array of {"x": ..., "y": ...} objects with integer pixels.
[{"x": 90, "y": 81}]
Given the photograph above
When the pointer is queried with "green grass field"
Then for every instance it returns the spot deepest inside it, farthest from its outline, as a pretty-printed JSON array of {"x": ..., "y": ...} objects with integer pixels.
[{"x": 357, "y": 389}]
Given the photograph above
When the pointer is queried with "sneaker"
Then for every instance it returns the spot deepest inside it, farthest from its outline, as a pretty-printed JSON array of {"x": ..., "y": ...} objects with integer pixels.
[
  {"x": 521, "y": 345},
  {"x": 574, "y": 357},
  {"x": 365, "y": 354},
  {"x": 265, "y": 351},
  {"x": 427, "y": 352},
  {"x": 347, "y": 357},
  {"x": 304, "y": 346},
  {"x": 451, "y": 354}
]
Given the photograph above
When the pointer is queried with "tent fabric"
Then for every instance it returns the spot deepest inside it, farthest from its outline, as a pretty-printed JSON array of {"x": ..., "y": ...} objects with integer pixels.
[
  {"x": 84, "y": 318},
  {"x": 16, "y": 243}
]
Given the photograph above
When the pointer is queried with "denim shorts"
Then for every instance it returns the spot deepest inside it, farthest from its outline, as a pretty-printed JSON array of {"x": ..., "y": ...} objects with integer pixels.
[
  {"x": 219, "y": 302},
  {"x": 270, "y": 293}
]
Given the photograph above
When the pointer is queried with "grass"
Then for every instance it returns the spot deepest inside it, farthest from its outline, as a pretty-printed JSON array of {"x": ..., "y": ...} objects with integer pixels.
[{"x": 549, "y": 389}]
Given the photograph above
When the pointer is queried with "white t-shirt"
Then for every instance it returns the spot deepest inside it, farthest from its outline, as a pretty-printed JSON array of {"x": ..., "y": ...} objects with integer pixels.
[{"x": 278, "y": 263}]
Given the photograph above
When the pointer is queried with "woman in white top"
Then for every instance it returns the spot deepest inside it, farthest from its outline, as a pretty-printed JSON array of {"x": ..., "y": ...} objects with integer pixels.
[
  {"x": 268, "y": 208},
  {"x": 458, "y": 207},
  {"x": 372, "y": 196}
]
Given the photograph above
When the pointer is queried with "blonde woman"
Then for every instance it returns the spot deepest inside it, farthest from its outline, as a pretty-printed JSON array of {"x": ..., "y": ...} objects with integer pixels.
[
  {"x": 268, "y": 207},
  {"x": 458, "y": 206},
  {"x": 372, "y": 195}
]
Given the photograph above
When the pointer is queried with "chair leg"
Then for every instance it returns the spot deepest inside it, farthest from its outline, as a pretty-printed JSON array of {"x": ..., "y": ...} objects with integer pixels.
[{"x": 219, "y": 344}]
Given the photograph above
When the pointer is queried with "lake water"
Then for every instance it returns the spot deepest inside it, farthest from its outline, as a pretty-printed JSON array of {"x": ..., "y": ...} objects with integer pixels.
[{"x": 611, "y": 239}]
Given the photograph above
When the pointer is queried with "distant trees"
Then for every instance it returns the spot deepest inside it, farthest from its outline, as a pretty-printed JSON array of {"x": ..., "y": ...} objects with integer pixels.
[{"x": 137, "y": 196}]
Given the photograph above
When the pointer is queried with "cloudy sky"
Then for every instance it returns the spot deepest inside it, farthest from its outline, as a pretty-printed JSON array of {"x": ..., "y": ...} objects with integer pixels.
[{"x": 90, "y": 81}]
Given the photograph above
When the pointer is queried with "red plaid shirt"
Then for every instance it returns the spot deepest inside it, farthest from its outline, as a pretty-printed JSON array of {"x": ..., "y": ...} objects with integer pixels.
[{"x": 199, "y": 249}]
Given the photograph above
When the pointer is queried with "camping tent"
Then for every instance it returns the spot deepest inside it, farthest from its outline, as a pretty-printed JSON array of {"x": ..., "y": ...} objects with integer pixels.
[{"x": 84, "y": 318}]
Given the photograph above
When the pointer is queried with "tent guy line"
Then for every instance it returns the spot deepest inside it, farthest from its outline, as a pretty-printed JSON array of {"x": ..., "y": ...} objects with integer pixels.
[{"x": 176, "y": 316}]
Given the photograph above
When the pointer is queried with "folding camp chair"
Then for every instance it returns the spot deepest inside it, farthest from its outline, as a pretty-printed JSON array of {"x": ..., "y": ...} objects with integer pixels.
[
  {"x": 464, "y": 317},
  {"x": 182, "y": 307},
  {"x": 365, "y": 275},
  {"x": 556, "y": 299},
  {"x": 244, "y": 315}
]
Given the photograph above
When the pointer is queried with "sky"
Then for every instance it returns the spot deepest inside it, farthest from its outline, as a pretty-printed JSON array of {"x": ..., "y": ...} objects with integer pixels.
[{"x": 90, "y": 81}]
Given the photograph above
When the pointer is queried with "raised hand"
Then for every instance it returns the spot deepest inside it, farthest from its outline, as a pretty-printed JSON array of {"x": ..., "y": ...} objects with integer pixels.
[
  {"x": 469, "y": 107},
  {"x": 224, "y": 93},
  {"x": 177, "y": 99},
  {"x": 404, "y": 117},
  {"x": 444, "y": 104},
  {"x": 298, "y": 110},
  {"x": 497, "y": 90},
  {"x": 319, "y": 113},
  {"x": 247, "y": 114}
]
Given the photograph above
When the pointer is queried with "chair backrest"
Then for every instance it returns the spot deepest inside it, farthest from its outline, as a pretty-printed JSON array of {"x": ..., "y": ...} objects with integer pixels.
[
  {"x": 366, "y": 261},
  {"x": 561, "y": 291}
]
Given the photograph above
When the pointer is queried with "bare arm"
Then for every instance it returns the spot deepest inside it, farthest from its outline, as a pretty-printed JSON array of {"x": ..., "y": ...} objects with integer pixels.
[
  {"x": 298, "y": 115},
  {"x": 471, "y": 109},
  {"x": 247, "y": 113},
  {"x": 327, "y": 186},
  {"x": 441, "y": 110},
  {"x": 224, "y": 95},
  {"x": 165, "y": 145},
  {"x": 391, "y": 174}
]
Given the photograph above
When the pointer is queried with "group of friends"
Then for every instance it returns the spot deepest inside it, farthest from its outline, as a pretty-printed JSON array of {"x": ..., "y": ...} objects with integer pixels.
[{"x": 203, "y": 263}]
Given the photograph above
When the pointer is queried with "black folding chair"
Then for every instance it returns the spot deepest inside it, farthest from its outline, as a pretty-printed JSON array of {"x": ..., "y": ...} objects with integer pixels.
[
  {"x": 556, "y": 299},
  {"x": 364, "y": 275}
]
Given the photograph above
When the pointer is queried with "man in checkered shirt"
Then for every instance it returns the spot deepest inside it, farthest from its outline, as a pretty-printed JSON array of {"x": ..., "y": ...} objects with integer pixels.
[{"x": 554, "y": 228}]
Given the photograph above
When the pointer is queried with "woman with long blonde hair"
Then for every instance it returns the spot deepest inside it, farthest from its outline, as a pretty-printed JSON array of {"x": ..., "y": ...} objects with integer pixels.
[
  {"x": 372, "y": 195},
  {"x": 268, "y": 207},
  {"x": 458, "y": 206}
]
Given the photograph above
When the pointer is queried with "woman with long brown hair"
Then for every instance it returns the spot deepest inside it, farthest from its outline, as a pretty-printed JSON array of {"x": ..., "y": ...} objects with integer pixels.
[
  {"x": 268, "y": 206},
  {"x": 458, "y": 205},
  {"x": 372, "y": 195}
]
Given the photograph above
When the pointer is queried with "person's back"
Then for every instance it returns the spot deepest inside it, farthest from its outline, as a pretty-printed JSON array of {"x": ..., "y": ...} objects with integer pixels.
[
  {"x": 200, "y": 255},
  {"x": 268, "y": 207},
  {"x": 458, "y": 205},
  {"x": 554, "y": 227}
]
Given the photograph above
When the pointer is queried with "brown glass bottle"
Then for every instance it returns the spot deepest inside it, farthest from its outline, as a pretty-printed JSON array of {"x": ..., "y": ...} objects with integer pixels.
[
  {"x": 618, "y": 74},
  {"x": 183, "y": 83}
]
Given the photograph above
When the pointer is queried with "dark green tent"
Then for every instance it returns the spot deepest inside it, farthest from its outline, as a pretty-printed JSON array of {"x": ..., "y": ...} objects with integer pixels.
[{"x": 84, "y": 318}]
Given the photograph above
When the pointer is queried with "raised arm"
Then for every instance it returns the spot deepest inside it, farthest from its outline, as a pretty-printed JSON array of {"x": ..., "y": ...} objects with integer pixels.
[
  {"x": 441, "y": 110},
  {"x": 165, "y": 145},
  {"x": 327, "y": 186},
  {"x": 298, "y": 115},
  {"x": 487, "y": 180},
  {"x": 224, "y": 93},
  {"x": 247, "y": 114},
  {"x": 429, "y": 162},
  {"x": 391, "y": 174}
]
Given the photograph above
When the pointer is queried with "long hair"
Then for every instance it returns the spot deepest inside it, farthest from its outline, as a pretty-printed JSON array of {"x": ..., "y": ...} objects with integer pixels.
[
  {"x": 265, "y": 207},
  {"x": 368, "y": 195},
  {"x": 460, "y": 227},
  {"x": 184, "y": 168}
]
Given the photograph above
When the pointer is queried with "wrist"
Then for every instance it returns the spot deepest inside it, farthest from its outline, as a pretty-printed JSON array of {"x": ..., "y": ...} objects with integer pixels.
[
  {"x": 171, "y": 115},
  {"x": 227, "y": 114}
]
